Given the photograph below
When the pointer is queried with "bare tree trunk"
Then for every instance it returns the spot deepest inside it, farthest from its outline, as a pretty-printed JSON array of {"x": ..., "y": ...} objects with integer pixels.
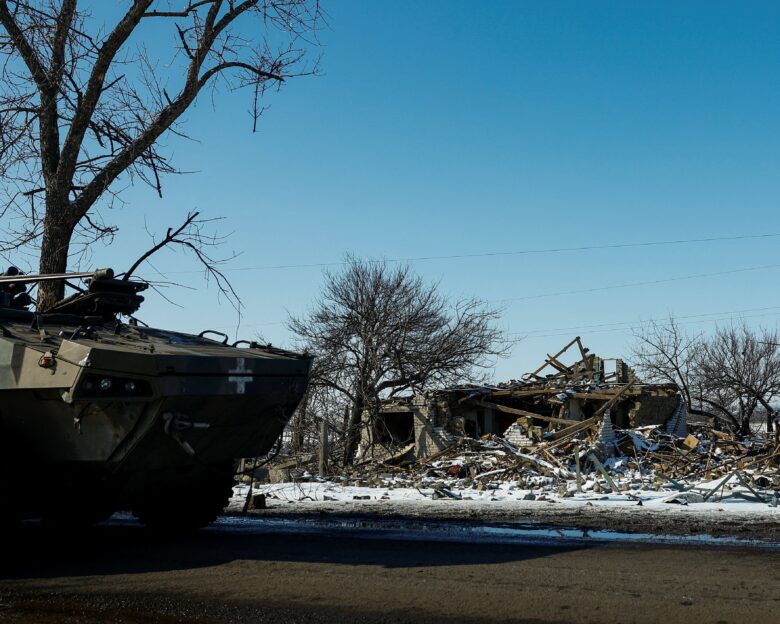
[
  {"x": 770, "y": 413},
  {"x": 323, "y": 447},
  {"x": 744, "y": 421},
  {"x": 57, "y": 233},
  {"x": 345, "y": 421},
  {"x": 353, "y": 432},
  {"x": 299, "y": 432}
]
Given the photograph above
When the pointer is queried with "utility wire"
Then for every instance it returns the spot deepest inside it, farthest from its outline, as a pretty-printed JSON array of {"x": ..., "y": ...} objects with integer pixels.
[
  {"x": 633, "y": 284},
  {"x": 632, "y": 323},
  {"x": 616, "y": 326},
  {"x": 519, "y": 337},
  {"x": 597, "y": 288},
  {"x": 490, "y": 254},
  {"x": 637, "y": 326}
]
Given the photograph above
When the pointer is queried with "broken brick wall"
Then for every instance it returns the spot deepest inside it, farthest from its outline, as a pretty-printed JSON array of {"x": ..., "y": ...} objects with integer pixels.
[{"x": 651, "y": 409}]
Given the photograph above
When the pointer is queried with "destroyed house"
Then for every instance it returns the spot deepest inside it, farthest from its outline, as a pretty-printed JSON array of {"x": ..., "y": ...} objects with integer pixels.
[{"x": 554, "y": 398}]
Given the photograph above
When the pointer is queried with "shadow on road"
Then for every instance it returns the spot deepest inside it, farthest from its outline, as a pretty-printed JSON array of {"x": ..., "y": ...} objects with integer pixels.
[{"x": 33, "y": 552}]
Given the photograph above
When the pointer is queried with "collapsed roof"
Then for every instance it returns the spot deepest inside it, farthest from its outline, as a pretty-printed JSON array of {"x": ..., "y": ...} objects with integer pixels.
[{"x": 554, "y": 402}]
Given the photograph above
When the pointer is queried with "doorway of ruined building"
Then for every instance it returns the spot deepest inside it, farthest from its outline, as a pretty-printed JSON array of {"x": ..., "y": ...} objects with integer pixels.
[
  {"x": 474, "y": 423},
  {"x": 480, "y": 421},
  {"x": 503, "y": 422},
  {"x": 395, "y": 428}
]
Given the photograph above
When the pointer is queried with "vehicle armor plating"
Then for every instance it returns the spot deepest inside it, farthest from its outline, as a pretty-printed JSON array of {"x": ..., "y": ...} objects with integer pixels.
[{"x": 98, "y": 415}]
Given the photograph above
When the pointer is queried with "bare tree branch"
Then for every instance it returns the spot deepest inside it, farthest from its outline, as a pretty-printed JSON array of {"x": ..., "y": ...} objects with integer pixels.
[{"x": 191, "y": 236}]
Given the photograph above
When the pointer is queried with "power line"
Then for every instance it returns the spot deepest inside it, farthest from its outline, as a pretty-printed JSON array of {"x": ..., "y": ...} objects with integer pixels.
[
  {"x": 639, "y": 325},
  {"x": 490, "y": 254},
  {"x": 518, "y": 337},
  {"x": 634, "y": 322},
  {"x": 595, "y": 289},
  {"x": 599, "y": 328},
  {"x": 618, "y": 326},
  {"x": 633, "y": 284}
]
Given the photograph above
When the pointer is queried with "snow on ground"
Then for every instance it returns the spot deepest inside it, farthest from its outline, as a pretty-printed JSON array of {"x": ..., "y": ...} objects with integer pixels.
[
  {"x": 502, "y": 496},
  {"x": 482, "y": 483}
]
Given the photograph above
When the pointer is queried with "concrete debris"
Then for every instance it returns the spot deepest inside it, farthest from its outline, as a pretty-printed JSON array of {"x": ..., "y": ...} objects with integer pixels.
[
  {"x": 647, "y": 459},
  {"x": 677, "y": 424},
  {"x": 606, "y": 442},
  {"x": 684, "y": 498}
]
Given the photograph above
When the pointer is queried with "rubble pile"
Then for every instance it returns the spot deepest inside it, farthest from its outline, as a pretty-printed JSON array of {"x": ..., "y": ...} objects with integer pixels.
[
  {"x": 575, "y": 430},
  {"x": 705, "y": 466},
  {"x": 554, "y": 402}
]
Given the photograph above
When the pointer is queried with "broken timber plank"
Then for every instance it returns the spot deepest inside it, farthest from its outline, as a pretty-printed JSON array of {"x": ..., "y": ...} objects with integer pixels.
[
  {"x": 563, "y": 436},
  {"x": 613, "y": 400},
  {"x": 719, "y": 486},
  {"x": 555, "y": 419},
  {"x": 535, "y": 391},
  {"x": 729, "y": 463},
  {"x": 594, "y": 396},
  {"x": 583, "y": 350},
  {"x": 577, "y": 467},
  {"x": 741, "y": 478},
  {"x": 552, "y": 458},
  {"x": 561, "y": 352},
  {"x": 503, "y": 408},
  {"x": 604, "y": 472},
  {"x": 555, "y": 363},
  {"x": 518, "y": 412}
]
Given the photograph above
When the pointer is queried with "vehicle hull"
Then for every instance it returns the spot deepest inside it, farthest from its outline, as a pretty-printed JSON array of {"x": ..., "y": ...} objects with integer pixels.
[{"x": 195, "y": 406}]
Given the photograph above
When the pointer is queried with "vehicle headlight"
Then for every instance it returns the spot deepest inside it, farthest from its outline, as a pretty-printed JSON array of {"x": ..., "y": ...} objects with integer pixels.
[{"x": 109, "y": 387}]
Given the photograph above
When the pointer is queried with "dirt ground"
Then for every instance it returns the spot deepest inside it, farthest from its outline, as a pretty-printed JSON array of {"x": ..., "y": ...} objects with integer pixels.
[
  {"x": 123, "y": 574},
  {"x": 709, "y": 519}
]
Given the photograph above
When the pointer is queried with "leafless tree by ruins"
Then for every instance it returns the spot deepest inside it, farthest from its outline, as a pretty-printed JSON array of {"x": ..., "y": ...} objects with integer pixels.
[
  {"x": 83, "y": 107},
  {"x": 378, "y": 331},
  {"x": 742, "y": 366},
  {"x": 726, "y": 375},
  {"x": 666, "y": 353}
]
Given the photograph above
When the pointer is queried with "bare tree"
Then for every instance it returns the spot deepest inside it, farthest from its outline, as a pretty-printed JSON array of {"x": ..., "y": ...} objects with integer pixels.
[
  {"x": 665, "y": 353},
  {"x": 724, "y": 376},
  {"x": 743, "y": 366},
  {"x": 83, "y": 107},
  {"x": 379, "y": 331}
]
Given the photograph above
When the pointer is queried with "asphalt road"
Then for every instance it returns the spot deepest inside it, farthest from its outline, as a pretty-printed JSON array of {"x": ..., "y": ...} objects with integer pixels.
[{"x": 122, "y": 574}]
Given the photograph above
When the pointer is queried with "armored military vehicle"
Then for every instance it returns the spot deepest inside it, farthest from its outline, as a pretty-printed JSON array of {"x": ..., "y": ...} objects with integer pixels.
[{"x": 98, "y": 414}]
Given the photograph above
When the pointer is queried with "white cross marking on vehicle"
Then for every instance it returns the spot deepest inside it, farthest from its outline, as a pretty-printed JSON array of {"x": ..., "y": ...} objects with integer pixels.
[{"x": 240, "y": 380}]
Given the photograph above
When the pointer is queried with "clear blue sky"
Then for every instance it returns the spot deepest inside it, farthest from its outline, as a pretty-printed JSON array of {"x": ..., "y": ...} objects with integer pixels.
[{"x": 461, "y": 127}]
